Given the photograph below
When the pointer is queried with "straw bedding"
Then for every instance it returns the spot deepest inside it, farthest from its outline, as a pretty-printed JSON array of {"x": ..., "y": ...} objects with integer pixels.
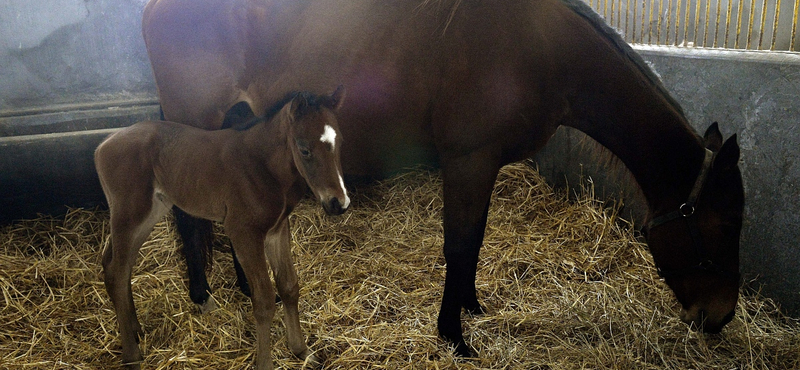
[{"x": 565, "y": 282}]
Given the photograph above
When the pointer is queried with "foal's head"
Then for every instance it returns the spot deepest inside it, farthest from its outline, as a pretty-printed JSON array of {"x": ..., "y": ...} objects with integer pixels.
[
  {"x": 696, "y": 247},
  {"x": 315, "y": 142}
]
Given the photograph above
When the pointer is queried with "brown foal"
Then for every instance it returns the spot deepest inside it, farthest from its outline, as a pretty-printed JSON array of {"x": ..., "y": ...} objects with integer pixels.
[{"x": 249, "y": 180}]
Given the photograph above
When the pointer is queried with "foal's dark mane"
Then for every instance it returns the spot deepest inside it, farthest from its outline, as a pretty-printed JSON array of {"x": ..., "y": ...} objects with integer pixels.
[
  {"x": 585, "y": 11},
  {"x": 313, "y": 103}
]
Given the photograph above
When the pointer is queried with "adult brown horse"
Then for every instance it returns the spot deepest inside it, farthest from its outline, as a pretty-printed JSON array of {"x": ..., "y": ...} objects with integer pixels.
[{"x": 469, "y": 86}]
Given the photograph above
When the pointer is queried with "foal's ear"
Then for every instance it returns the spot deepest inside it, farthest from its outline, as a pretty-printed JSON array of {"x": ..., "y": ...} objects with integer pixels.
[
  {"x": 334, "y": 102},
  {"x": 712, "y": 139},
  {"x": 298, "y": 105},
  {"x": 728, "y": 155}
]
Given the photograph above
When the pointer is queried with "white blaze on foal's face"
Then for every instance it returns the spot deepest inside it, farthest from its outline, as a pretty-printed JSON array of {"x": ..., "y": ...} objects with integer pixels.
[{"x": 329, "y": 136}]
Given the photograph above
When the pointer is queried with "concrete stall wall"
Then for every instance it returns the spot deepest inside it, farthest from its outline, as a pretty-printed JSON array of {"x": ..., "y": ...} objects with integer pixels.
[
  {"x": 69, "y": 69},
  {"x": 72, "y": 70},
  {"x": 71, "y": 51}
]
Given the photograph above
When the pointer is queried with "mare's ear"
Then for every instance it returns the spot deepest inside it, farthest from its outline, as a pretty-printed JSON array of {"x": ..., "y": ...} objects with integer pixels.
[
  {"x": 336, "y": 99},
  {"x": 712, "y": 139},
  {"x": 728, "y": 155}
]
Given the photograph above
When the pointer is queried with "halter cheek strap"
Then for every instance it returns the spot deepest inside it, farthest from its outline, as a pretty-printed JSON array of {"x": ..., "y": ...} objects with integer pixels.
[
  {"x": 686, "y": 212},
  {"x": 687, "y": 209}
]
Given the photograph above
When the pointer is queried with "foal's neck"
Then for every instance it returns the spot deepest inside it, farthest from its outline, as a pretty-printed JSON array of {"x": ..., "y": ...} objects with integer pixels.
[{"x": 267, "y": 143}]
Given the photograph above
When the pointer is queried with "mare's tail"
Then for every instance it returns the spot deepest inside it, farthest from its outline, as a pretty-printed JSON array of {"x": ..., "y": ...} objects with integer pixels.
[{"x": 198, "y": 236}]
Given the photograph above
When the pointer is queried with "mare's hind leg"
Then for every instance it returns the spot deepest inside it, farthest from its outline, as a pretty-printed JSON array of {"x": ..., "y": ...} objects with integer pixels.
[
  {"x": 468, "y": 182},
  {"x": 197, "y": 235},
  {"x": 279, "y": 254},
  {"x": 131, "y": 224}
]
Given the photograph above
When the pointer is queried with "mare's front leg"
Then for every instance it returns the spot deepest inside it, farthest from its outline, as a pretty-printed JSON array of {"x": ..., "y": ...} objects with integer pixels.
[
  {"x": 197, "y": 235},
  {"x": 279, "y": 253},
  {"x": 248, "y": 244},
  {"x": 468, "y": 182}
]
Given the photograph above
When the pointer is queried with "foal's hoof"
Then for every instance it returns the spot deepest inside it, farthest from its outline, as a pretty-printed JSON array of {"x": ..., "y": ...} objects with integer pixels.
[
  {"x": 133, "y": 364},
  {"x": 209, "y": 305},
  {"x": 310, "y": 359}
]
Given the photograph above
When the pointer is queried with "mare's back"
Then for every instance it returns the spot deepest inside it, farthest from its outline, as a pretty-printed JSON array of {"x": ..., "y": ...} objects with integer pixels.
[{"x": 415, "y": 70}]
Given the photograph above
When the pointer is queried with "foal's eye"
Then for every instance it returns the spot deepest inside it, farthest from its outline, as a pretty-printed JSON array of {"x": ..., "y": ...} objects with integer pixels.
[{"x": 305, "y": 152}]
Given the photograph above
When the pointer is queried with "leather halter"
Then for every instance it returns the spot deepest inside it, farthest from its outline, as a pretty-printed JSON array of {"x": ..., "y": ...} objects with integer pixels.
[{"x": 686, "y": 212}]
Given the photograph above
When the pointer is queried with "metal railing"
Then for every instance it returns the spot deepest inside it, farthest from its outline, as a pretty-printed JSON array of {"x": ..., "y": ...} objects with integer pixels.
[{"x": 734, "y": 24}]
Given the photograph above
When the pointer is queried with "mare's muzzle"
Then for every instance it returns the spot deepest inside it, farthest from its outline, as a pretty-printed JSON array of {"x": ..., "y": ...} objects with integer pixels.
[{"x": 701, "y": 321}]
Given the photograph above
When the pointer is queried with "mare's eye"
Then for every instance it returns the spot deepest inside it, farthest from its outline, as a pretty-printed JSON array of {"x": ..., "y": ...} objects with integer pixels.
[{"x": 305, "y": 152}]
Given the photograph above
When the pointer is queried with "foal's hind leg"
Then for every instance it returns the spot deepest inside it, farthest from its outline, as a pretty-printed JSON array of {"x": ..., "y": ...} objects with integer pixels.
[
  {"x": 131, "y": 224},
  {"x": 279, "y": 253}
]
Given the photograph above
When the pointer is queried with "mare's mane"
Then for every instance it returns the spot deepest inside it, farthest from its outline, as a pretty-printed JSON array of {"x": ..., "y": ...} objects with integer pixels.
[
  {"x": 313, "y": 104},
  {"x": 585, "y": 11},
  {"x": 605, "y": 158}
]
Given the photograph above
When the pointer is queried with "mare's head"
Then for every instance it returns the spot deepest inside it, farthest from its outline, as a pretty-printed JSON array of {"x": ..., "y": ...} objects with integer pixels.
[
  {"x": 315, "y": 141},
  {"x": 696, "y": 247}
]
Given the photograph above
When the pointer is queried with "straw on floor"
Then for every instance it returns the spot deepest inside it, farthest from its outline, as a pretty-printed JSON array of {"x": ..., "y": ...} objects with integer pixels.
[{"x": 565, "y": 282}]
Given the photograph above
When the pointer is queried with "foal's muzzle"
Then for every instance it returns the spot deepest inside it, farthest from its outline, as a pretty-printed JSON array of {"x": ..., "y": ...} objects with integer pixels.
[{"x": 334, "y": 207}]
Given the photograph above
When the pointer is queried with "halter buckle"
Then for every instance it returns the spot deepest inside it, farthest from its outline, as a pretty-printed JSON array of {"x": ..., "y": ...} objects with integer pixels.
[{"x": 686, "y": 210}]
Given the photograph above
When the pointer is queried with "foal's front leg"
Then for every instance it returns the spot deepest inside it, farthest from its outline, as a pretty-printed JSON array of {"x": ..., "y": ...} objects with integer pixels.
[
  {"x": 248, "y": 243},
  {"x": 279, "y": 253}
]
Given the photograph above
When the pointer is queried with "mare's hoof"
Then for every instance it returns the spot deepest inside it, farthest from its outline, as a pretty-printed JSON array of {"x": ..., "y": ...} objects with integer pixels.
[
  {"x": 474, "y": 309},
  {"x": 209, "y": 305},
  {"x": 460, "y": 347},
  {"x": 462, "y": 350}
]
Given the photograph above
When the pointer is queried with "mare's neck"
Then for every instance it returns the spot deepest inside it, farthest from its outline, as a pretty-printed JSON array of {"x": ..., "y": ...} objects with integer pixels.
[{"x": 652, "y": 139}]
